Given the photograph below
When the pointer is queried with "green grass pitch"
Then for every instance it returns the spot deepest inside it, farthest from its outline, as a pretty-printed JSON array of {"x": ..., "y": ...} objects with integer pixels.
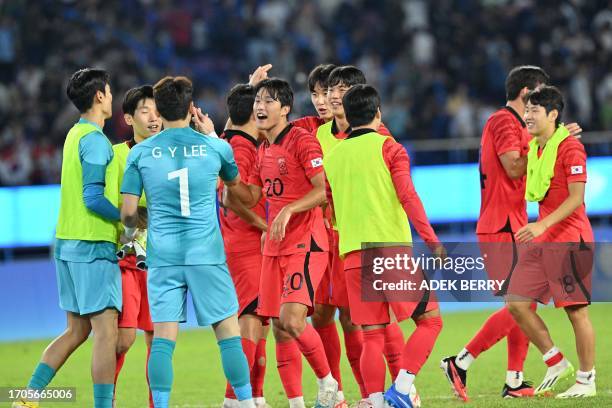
[{"x": 199, "y": 381}]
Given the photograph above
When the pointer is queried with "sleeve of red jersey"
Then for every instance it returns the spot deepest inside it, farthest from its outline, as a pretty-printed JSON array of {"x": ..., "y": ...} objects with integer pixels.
[
  {"x": 254, "y": 177},
  {"x": 574, "y": 163},
  {"x": 397, "y": 161},
  {"x": 308, "y": 153},
  {"x": 506, "y": 137},
  {"x": 383, "y": 130},
  {"x": 245, "y": 157}
]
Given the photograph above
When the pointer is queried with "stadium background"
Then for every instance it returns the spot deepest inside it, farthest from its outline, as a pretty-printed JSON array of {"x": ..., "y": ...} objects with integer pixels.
[{"x": 440, "y": 66}]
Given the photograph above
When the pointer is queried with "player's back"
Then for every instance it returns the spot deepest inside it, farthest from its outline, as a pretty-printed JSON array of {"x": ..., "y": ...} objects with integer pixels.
[{"x": 179, "y": 169}]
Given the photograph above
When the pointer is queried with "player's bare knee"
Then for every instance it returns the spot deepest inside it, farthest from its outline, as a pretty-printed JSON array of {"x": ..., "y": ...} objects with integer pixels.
[
  {"x": 577, "y": 314},
  {"x": 125, "y": 340},
  {"x": 344, "y": 316},
  {"x": 518, "y": 309},
  {"x": 294, "y": 325},
  {"x": 323, "y": 315},
  {"x": 77, "y": 334},
  {"x": 280, "y": 335}
]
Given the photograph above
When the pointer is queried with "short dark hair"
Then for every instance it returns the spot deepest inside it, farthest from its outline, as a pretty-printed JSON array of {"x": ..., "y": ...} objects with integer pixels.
[
  {"x": 348, "y": 75},
  {"x": 83, "y": 86},
  {"x": 134, "y": 96},
  {"x": 523, "y": 76},
  {"x": 240, "y": 103},
  {"x": 173, "y": 95},
  {"x": 278, "y": 89},
  {"x": 550, "y": 98},
  {"x": 320, "y": 75},
  {"x": 361, "y": 103}
]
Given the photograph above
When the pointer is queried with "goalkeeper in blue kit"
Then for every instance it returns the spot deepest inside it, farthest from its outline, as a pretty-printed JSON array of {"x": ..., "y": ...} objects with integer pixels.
[{"x": 178, "y": 170}]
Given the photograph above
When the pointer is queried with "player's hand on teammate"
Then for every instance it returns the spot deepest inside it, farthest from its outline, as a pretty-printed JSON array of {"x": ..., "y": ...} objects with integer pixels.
[
  {"x": 440, "y": 252},
  {"x": 574, "y": 129},
  {"x": 530, "y": 231},
  {"x": 202, "y": 121},
  {"x": 259, "y": 74},
  {"x": 263, "y": 240},
  {"x": 277, "y": 229}
]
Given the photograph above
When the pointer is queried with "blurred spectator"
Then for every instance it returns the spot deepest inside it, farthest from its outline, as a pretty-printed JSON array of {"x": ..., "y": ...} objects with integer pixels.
[{"x": 439, "y": 66}]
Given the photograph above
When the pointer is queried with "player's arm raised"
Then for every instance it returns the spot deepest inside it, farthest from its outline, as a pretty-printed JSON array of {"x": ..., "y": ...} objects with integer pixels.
[{"x": 313, "y": 198}]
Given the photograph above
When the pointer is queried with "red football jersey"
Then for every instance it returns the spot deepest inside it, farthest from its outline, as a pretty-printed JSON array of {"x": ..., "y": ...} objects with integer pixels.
[
  {"x": 502, "y": 200},
  {"x": 570, "y": 167},
  {"x": 284, "y": 169},
  {"x": 239, "y": 236},
  {"x": 310, "y": 123}
]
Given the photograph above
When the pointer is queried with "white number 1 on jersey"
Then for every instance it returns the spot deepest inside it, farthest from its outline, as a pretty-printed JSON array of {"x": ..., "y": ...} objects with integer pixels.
[{"x": 183, "y": 176}]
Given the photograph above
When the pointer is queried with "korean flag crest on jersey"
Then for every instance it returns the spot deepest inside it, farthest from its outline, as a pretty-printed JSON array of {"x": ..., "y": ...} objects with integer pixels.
[
  {"x": 577, "y": 170},
  {"x": 318, "y": 162}
]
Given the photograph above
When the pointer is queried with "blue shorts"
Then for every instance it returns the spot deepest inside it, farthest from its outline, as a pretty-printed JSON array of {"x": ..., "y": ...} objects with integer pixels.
[
  {"x": 88, "y": 287},
  {"x": 211, "y": 288}
]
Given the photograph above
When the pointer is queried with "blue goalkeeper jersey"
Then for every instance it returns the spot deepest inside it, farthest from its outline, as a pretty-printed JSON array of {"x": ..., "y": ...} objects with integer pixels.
[{"x": 178, "y": 169}]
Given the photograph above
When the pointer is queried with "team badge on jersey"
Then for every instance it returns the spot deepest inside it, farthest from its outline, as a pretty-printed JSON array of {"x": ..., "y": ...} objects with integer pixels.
[{"x": 282, "y": 166}]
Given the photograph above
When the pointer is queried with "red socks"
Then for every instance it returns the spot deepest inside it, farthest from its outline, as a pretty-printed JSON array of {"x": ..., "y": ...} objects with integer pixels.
[
  {"x": 248, "y": 347},
  {"x": 258, "y": 372},
  {"x": 499, "y": 325},
  {"x": 311, "y": 347},
  {"x": 289, "y": 364},
  {"x": 394, "y": 344},
  {"x": 518, "y": 346},
  {"x": 353, "y": 343},
  {"x": 331, "y": 345},
  {"x": 372, "y": 362},
  {"x": 119, "y": 366},
  {"x": 421, "y": 342}
]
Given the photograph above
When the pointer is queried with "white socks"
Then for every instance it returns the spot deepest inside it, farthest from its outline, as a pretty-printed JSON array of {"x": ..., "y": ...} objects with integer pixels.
[
  {"x": 247, "y": 403},
  {"x": 260, "y": 400},
  {"x": 377, "y": 399},
  {"x": 325, "y": 380},
  {"x": 514, "y": 378},
  {"x": 550, "y": 353},
  {"x": 403, "y": 382},
  {"x": 585, "y": 377},
  {"x": 297, "y": 402},
  {"x": 340, "y": 396},
  {"x": 464, "y": 359}
]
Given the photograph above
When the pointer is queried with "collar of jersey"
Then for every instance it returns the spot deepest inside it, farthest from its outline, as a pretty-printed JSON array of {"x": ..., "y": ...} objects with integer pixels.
[
  {"x": 334, "y": 128},
  {"x": 229, "y": 133},
  {"x": 85, "y": 121},
  {"x": 359, "y": 132},
  {"x": 282, "y": 134},
  {"x": 516, "y": 115}
]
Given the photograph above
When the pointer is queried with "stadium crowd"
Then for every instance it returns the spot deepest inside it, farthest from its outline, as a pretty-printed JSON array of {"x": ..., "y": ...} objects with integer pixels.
[{"x": 440, "y": 66}]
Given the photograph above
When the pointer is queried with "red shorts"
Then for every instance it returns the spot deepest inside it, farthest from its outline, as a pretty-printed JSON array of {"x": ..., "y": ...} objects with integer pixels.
[
  {"x": 290, "y": 279},
  {"x": 135, "y": 312},
  {"x": 245, "y": 269},
  {"x": 561, "y": 271},
  {"x": 367, "y": 312},
  {"x": 332, "y": 289},
  {"x": 500, "y": 255}
]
